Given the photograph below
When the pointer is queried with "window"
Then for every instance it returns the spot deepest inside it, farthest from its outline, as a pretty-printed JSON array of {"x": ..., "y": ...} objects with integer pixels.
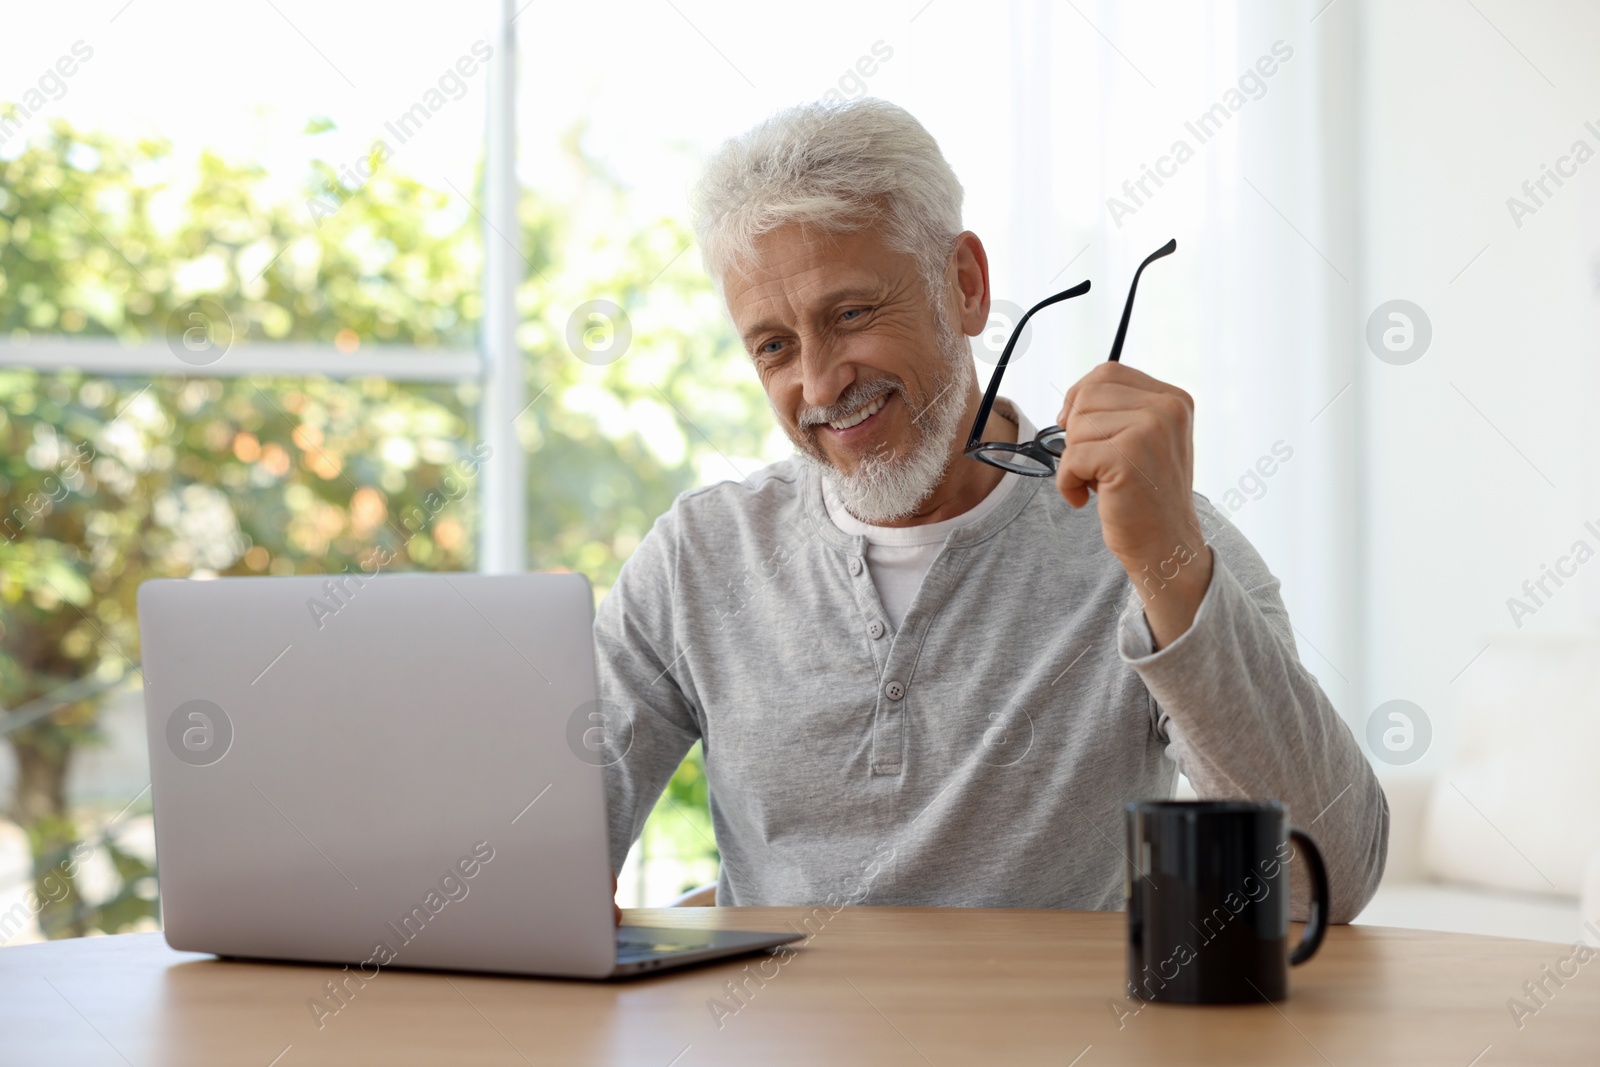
[{"x": 308, "y": 314}]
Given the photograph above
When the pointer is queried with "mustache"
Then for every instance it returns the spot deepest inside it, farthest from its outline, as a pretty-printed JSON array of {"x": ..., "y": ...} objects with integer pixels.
[{"x": 856, "y": 397}]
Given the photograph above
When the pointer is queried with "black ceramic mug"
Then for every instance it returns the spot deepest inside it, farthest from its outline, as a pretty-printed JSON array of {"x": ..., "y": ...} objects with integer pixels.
[{"x": 1208, "y": 901}]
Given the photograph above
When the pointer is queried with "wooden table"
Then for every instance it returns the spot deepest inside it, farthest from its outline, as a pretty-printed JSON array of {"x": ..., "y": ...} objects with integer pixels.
[{"x": 873, "y": 986}]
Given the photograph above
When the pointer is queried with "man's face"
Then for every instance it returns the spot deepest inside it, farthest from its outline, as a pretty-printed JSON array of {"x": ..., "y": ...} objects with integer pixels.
[{"x": 864, "y": 376}]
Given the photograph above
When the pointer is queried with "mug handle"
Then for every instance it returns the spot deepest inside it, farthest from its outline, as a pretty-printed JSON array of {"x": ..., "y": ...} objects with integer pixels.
[{"x": 1317, "y": 925}]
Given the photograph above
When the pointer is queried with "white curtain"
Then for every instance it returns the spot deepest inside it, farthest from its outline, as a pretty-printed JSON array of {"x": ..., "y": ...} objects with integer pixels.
[{"x": 1255, "y": 314}]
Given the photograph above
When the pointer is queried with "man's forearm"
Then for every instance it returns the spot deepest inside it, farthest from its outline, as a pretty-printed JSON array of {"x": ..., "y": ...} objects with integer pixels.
[
  {"x": 1246, "y": 719},
  {"x": 1172, "y": 590}
]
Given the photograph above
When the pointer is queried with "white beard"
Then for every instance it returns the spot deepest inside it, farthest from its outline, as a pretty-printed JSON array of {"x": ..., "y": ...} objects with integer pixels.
[{"x": 883, "y": 488}]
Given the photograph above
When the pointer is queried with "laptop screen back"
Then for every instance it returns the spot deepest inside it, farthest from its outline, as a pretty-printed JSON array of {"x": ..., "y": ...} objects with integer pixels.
[{"x": 391, "y": 770}]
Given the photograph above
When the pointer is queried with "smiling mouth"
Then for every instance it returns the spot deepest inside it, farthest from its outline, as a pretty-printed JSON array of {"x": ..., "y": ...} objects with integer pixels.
[{"x": 861, "y": 414}]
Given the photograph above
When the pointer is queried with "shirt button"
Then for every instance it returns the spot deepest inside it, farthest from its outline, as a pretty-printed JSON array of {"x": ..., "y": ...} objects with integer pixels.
[
  {"x": 894, "y": 690},
  {"x": 875, "y": 631},
  {"x": 855, "y": 564}
]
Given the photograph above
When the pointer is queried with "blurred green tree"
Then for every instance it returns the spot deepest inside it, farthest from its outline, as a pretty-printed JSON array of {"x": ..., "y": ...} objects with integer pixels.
[{"x": 108, "y": 481}]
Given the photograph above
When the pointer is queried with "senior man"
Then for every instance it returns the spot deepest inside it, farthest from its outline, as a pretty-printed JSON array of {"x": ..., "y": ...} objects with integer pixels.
[{"x": 920, "y": 680}]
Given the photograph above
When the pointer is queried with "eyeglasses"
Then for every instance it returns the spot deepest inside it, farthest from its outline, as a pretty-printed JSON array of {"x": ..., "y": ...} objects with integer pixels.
[{"x": 1040, "y": 457}]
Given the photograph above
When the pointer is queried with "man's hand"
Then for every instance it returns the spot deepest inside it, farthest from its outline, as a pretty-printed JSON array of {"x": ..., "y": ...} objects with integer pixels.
[
  {"x": 616, "y": 912},
  {"x": 1130, "y": 438}
]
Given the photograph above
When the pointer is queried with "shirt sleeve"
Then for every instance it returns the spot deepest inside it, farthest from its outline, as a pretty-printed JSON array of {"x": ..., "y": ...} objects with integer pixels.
[
  {"x": 1244, "y": 719},
  {"x": 636, "y": 652}
]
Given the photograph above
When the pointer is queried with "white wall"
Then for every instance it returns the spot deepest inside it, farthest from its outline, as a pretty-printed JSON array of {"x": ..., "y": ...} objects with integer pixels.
[{"x": 1461, "y": 505}]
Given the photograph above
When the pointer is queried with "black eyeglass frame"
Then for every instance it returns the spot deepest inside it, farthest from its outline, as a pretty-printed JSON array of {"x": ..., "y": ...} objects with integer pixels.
[{"x": 1048, "y": 444}]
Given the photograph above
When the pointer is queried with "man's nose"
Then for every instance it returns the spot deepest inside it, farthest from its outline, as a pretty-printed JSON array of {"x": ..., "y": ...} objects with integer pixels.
[{"x": 824, "y": 377}]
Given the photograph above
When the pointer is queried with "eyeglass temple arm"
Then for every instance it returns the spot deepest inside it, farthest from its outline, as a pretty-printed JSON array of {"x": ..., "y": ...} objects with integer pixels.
[
  {"x": 1127, "y": 309},
  {"x": 994, "y": 380}
]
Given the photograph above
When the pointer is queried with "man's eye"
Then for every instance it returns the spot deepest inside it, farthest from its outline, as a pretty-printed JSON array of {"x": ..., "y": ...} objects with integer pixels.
[
  {"x": 845, "y": 315},
  {"x": 769, "y": 348}
]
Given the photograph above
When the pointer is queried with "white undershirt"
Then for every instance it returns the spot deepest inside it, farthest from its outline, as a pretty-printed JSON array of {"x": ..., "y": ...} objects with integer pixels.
[{"x": 898, "y": 557}]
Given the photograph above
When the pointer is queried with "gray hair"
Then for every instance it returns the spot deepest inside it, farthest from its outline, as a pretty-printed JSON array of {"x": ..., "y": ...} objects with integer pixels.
[{"x": 839, "y": 167}]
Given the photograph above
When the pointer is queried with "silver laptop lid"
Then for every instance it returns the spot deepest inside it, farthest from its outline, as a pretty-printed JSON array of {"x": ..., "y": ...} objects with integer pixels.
[{"x": 395, "y": 770}]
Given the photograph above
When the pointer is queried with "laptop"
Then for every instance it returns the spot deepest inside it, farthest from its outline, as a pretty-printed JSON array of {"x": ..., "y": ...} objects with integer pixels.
[{"x": 395, "y": 770}]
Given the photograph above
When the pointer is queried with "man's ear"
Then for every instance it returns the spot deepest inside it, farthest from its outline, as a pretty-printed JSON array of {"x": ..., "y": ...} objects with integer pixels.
[{"x": 970, "y": 264}]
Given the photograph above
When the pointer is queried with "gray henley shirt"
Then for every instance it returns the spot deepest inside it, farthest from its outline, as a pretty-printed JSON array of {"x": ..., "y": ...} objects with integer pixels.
[{"x": 982, "y": 753}]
